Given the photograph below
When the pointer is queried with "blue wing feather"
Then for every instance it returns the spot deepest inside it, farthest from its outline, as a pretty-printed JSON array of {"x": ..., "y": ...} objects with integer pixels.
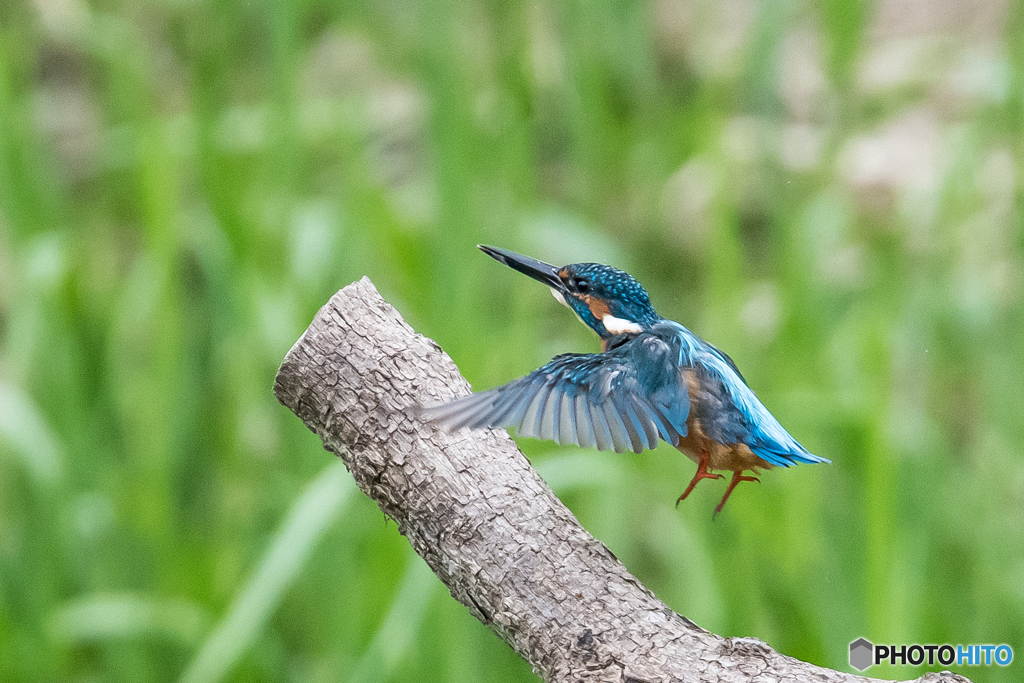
[
  {"x": 584, "y": 429},
  {"x": 622, "y": 399},
  {"x": 602, "y": 436}
]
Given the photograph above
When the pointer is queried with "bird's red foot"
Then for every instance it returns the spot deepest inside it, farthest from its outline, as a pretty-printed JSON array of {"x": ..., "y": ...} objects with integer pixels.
[
  {"x": 702, "y": 473},
  {"x": 737, "y": 477}
]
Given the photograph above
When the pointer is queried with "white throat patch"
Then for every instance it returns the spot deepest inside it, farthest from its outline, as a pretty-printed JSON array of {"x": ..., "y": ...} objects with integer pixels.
[
  {"x": 620, "y": 326},
  {"x": 559, "y": 298}
]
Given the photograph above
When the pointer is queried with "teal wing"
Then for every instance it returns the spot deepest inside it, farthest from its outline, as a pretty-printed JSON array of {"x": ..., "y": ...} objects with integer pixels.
[{"x": 623, "y": 399}]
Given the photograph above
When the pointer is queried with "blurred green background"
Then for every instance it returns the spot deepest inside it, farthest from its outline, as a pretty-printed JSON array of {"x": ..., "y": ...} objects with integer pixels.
[{"x": 831, "y": 192}]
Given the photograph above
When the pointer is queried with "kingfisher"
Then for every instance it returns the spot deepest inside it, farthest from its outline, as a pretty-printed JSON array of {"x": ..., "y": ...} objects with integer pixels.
[{"x": 653, "y": 379}]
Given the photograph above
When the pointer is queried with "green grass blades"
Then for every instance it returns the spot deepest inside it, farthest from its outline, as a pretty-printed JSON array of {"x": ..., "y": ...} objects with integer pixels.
[{"x": 830, "y": 193}]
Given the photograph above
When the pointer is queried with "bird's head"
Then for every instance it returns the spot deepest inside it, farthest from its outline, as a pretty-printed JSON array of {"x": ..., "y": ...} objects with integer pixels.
[{"x": 610, "y": 301}]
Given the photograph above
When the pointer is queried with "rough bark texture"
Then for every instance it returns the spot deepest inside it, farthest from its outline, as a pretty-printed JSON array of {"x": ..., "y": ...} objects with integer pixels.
[{"x": 487, "y": 524}]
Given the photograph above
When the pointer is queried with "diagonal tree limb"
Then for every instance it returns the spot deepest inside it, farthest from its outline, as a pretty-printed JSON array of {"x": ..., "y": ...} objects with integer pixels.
[{"x": 487, "y": 524}]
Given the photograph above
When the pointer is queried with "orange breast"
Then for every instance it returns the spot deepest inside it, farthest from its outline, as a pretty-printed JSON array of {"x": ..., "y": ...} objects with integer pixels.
[{"x": 696, "y": 444}]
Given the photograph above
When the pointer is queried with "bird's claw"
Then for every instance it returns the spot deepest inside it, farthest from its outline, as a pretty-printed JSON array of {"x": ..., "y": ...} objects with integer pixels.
[
  {"x": 702, "y": 473},
  {"x": 737, "y": 477}
]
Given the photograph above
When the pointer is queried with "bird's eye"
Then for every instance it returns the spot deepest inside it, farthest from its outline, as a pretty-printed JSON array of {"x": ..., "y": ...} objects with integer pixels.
[{"x": 582, "y": 286}]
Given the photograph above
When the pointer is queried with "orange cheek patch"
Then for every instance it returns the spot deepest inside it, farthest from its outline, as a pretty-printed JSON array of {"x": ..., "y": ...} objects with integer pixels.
[{"x": 598, "y": 307}]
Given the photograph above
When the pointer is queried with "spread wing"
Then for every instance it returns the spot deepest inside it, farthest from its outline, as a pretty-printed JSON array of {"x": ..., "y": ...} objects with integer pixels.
[{"x": 622, "y": 399}]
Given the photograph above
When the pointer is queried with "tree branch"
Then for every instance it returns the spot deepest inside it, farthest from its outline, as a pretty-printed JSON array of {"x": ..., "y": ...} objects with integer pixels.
[{"x": 487, "y": 524}]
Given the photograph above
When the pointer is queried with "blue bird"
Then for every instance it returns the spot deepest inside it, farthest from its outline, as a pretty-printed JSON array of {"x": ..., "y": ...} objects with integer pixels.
[{"x": 654, "y": 379}]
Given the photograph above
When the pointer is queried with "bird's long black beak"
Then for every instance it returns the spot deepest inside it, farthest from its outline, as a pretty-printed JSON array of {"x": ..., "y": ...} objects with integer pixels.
[{"x": 538, "y": 270}]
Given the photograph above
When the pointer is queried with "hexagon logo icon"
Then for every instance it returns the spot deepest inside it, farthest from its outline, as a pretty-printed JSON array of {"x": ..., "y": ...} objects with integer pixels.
[{"x": 862, "y": 654}]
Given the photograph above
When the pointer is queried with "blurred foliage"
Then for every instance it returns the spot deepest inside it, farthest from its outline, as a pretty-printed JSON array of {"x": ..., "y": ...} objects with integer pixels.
[{"x": 831, "y": 193}]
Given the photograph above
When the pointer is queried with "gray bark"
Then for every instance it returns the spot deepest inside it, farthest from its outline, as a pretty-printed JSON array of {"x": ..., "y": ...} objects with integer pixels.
[{"x": 487, "y": 524}]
